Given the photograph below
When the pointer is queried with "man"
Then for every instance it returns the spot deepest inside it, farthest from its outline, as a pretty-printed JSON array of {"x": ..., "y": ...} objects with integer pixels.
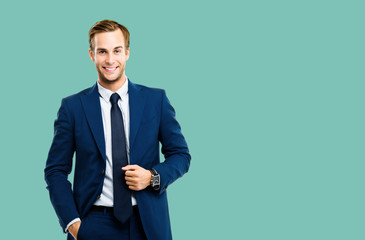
[{"x": 114, "y": 129}]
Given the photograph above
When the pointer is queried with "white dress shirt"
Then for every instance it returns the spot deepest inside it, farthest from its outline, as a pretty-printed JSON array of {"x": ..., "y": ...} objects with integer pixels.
[{"x": 106, "y": 197}]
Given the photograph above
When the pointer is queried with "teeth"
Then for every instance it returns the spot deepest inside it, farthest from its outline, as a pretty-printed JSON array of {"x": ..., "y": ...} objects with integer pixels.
[{"x": 110, "y": 68}]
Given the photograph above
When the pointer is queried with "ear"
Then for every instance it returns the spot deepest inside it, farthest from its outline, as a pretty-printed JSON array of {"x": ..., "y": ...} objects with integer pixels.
[
  {"x": 91, "y": 53},
  {"x": 127, "y": 54}
]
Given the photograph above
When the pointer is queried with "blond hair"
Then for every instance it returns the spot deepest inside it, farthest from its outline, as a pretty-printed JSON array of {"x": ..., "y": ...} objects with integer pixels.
[{"x": 107, "y": 26}]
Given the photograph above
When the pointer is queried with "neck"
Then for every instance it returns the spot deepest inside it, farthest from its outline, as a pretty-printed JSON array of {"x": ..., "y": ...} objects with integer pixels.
[{"x": 113, "y": 85}]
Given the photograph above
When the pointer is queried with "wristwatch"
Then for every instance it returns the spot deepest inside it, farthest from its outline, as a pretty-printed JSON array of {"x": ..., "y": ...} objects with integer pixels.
[{"x": 155, "y": 179}]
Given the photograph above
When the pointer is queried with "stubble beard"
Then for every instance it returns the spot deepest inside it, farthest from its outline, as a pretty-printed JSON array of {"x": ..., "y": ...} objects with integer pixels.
[{"x": 107, "y": 81}]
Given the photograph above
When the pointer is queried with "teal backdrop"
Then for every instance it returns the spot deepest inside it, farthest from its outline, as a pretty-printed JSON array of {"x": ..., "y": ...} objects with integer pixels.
[{"x": 269, "y": 94}]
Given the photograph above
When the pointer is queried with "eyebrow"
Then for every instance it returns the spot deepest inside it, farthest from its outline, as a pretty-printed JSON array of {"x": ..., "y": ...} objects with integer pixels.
[{"x": 99, "y": 49}]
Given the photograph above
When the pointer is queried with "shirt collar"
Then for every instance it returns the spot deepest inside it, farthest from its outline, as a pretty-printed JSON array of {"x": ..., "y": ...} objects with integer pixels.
[{"x": 106, "y": 93}]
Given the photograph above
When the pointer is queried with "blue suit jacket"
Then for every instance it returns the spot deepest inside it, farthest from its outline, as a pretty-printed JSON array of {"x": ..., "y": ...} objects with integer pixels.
[{"x": 79, "y": 129}]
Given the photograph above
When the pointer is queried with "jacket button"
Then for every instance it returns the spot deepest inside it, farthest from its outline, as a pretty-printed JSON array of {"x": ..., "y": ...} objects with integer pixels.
[{"x": 102, "y": 172}]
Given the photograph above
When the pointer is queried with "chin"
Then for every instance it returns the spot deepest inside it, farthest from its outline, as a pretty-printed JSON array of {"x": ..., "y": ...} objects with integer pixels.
[{"x": 107, "y": 80}]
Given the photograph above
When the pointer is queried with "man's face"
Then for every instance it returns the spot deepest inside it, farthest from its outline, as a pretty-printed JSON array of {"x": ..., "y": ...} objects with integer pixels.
[{"x": 110, "y": 56}]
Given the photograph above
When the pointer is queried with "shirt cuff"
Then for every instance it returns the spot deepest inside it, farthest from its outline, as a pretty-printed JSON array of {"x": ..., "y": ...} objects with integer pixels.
[{"x": 72, "y": 222}]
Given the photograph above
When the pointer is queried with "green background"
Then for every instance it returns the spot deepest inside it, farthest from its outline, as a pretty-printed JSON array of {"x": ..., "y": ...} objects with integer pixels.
[{"x": 269, "y": 94}]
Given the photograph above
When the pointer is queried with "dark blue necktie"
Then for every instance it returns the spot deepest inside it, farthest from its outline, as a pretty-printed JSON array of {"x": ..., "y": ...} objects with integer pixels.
[{"x": 122, "y": 195}]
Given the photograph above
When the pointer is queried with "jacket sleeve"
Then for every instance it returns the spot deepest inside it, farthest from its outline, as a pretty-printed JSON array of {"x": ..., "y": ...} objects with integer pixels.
[
  {"x": 174, "y": 147},
  {"x": 59, "y": 166}
]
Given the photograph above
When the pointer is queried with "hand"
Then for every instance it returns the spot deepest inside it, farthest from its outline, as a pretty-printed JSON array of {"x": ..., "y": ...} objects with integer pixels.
[
  {"x": 137, "y": 178},
  {"x": 74, "y": 229}
]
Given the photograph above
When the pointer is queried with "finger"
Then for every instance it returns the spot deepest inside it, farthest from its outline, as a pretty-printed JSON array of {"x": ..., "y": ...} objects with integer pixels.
[
  {"x": 130, "y": 167},
  {"x": 131, "y": 180},
  {"x": 127, "y": 168},
  {"x": 130, "y": 173},
  {"x": 134, "y": 188},
  {"x": 131, "y": 183}
]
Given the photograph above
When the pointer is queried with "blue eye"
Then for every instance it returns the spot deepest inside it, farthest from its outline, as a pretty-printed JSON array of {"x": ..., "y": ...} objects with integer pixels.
[
  {"x": 102, "y": 52},
  {"x": 117, "y": 51}
]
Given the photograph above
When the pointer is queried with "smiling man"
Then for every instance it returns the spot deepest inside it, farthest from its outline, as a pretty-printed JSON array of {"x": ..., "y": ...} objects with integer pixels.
[{"x": 114, "y": 128}]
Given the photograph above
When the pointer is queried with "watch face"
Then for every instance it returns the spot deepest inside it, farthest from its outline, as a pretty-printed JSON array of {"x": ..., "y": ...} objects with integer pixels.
[{"x": 155, "y": 181}]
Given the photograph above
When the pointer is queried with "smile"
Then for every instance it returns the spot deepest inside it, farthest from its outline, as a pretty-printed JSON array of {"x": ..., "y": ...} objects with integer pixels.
[{"x": 110, "y": 69}]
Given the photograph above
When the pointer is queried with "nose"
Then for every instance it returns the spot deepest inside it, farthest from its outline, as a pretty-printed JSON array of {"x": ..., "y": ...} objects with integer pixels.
[{"x": 110, "y": 59}]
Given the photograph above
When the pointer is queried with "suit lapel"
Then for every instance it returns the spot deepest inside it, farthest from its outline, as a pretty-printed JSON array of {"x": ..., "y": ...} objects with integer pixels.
[
  {"x": 91, "y": 104},
  {"x": 136, "y": 107}
]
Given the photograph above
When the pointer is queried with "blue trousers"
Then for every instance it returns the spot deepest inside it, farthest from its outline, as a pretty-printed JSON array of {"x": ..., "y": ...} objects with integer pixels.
[{"x": 103, "y": 226}]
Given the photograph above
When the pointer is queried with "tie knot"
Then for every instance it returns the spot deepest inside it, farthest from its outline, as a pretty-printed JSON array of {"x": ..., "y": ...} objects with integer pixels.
[{"x": 114, "y": 98}]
